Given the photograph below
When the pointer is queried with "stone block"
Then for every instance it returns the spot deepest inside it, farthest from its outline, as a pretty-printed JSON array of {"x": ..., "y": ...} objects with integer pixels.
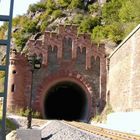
[{"x": 29, "y": 134}]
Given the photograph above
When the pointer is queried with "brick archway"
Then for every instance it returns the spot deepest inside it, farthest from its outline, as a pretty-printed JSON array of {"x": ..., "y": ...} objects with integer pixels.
[{"x": 60, "y": 77}]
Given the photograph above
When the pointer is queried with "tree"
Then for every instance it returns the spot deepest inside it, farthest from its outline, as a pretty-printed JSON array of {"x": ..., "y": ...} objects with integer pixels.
[
  {"x": 78, "y": 19},
  {"x": 50, "y": 4},
  {"x": 98, "y": 34},
  {"x": 76, "y": 4},
  {"x": 130, "y": 11},
  {"x": 57, "y": 13},
  {"x": 94, "y": 8},
  {"x": 115, "y": 32},
  {"x": 110, "y": 11},
  {"x": 126, "y": 13},
  {"x": 63, "y": 3},
  {"x": 88, "y": 24},
  {"x": 37, "y": 7}
]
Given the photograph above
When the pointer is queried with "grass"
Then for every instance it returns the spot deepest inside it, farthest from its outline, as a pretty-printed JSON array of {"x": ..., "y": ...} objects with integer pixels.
[
  {"x": 9, "y": 124},
  {"x": 103, "y": 116},
  {"x": 2, "y": 84}
]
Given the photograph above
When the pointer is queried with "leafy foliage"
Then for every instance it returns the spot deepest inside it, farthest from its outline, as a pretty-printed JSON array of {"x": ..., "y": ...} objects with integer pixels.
[
  {"x": 93, "y": 8},
  {"x": 2, "y": 74},
  {"x": 3, "y": 30},
  {"x": 110, "y": 11},
  {"x": 78, "y": 19},
  {"x": 63, "y": 3},
  {"x": 76, "y": 4},
  {"x": 98, "y": 34},
  {"x": 37, "y": 7},
  {"x": 88, "y": 24},
  {"x": 50, "y": 4},
  {"x": 57, "y": 13}
]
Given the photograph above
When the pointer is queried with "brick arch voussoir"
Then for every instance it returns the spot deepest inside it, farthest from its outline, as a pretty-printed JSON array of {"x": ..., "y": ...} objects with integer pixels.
[{"x": 60, "y": 76}]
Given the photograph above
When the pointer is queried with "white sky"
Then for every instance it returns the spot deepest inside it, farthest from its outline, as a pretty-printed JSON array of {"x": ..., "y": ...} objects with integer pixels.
[{"x": 20, "y": 6}]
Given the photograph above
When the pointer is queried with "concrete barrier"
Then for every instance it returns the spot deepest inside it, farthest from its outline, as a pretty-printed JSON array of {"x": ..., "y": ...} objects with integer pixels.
[{"x": 29, "y": 134}]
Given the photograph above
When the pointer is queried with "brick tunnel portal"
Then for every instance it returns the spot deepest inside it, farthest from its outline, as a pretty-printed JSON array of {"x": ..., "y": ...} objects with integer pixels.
[{"x": 66, "y": 101}]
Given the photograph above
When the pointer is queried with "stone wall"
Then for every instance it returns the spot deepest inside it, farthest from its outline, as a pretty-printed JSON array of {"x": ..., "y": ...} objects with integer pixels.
[{"x": 124, "y": 74}]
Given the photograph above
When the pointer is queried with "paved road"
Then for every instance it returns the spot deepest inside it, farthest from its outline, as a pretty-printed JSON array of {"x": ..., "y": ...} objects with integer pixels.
[{"x": 57, "y": 130}]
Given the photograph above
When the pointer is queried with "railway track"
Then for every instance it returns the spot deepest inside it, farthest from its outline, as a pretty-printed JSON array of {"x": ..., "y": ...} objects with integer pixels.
[{"x": 107, "y": 133}]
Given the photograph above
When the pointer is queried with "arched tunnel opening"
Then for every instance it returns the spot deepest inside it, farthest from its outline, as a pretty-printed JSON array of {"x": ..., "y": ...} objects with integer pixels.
[{"x": 66, "y": 101}]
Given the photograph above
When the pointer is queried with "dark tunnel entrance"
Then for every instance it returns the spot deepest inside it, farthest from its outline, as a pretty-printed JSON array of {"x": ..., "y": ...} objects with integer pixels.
[{"x": 66, "y": 101}]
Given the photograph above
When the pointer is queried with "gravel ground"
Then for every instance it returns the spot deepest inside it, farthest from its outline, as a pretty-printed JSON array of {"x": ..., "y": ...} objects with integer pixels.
[{"x": 57, "y": 130}]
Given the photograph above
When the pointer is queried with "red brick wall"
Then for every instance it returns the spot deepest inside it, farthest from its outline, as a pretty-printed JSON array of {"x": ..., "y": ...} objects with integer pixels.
[
  {"x": 17, "y": 82},
  {"x": 82, "y": 61}
]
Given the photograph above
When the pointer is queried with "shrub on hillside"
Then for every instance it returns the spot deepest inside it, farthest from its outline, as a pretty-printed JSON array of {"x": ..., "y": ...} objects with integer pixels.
[
  {"x": 88, "y": 24},
  {"x": 37, "y": 7},
  {"x": 57, "y": 13}
]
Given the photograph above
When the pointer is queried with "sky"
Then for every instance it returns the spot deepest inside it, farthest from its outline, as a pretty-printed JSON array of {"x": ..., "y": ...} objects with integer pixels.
[{"x": 20, "y": 6}]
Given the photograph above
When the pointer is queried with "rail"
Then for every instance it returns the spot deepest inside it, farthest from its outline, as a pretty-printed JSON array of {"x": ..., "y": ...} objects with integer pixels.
[{"x": 107, "y": 133}]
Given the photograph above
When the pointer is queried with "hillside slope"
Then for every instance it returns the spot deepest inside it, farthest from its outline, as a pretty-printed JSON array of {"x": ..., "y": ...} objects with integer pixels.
[{"x": 111, "y": 21}]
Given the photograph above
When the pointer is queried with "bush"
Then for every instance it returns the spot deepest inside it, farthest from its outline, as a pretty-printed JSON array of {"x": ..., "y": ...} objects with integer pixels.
[
  {"x": 57, "y": 13},
  {"x": 31, "y": 27},
  {"x": 98, "y": 34},
  {"x": 2, "y": 81},
  {"x": 2, "y": 74},
  {"x": 20, "y": 39},
  {"x": 36, "y": 115},
  {"x": 115, "y": 32},
  {"x": 3, "y": 30},
  {"x": 110, "y": 11},
  {"x": 37, "y": 7},
  {"x": 21, "y": 36},
  {"x": 88, "y": 24},
  {"x": 78, "y": 19},
  {"x": 50, "y": 4},
  {"x": 103, "y": 116},
  {"x": 25, "y": 112},
  {"x": 76, "y": 4},
  {"x": 93, "y": 8},
  {"x": 63, "y": 3},
  {"x": 44, "y": 19},
  {"x": 44, "y": 25}
]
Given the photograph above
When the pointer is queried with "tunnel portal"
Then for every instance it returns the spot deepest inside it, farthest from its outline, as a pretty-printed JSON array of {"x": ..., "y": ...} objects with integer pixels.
[{"x": 66, "y": 101}]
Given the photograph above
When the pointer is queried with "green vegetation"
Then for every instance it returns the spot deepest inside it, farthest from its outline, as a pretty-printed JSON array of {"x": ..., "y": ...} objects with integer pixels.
[
  {"x": 25, "y": 112},
  {"x": 112, "y": 21},
  {"x": 103, "y": 116},
  {"x": 9, "y": 124},
  {"x": 2, "y": 79}
]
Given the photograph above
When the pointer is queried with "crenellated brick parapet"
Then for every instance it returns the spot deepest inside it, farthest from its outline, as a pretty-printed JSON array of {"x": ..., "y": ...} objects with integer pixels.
[{"x": 57, "y": 39}]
